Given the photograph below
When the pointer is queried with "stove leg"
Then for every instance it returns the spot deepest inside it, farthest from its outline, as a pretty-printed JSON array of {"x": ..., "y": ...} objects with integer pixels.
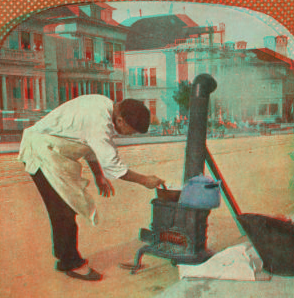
[
  {"x": 137, "y": 262},
  {"x": 138, "y": 258}
]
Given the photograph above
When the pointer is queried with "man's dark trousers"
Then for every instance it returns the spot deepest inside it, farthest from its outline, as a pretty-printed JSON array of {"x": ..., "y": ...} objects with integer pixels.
[{"x": 63, "y": 225}]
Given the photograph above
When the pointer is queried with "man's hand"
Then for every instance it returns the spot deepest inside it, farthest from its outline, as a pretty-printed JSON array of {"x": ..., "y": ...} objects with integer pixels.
[
  {"x": 105, "y": 187},
  {"x": 153, "y": 181}
]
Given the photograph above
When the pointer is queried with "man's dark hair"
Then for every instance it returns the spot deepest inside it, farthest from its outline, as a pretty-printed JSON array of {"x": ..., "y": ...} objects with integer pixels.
[{"x": 136, "y": 114}]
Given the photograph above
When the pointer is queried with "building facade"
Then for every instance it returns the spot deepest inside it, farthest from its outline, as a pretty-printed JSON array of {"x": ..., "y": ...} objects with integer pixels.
[
  {"x": 57, "y": 55},
  {"x": 22, "y": 70},
  {"x": 252, "y": 84},
  {"x": 153, "y": 68}
]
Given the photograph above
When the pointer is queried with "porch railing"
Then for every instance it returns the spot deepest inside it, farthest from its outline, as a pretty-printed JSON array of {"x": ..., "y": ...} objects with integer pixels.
[
  {"x": 21, "y": 55},
  {"x": 83, "y": 64}
]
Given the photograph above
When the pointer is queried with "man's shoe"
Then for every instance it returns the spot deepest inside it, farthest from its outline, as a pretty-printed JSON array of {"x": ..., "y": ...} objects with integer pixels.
[
  {"x": 92, "y": 275},
  {"x": 60, "y": 266}
]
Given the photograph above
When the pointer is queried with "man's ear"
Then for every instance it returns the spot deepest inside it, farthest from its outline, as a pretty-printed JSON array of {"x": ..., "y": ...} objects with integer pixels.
[{"x": 119, "y": 120}]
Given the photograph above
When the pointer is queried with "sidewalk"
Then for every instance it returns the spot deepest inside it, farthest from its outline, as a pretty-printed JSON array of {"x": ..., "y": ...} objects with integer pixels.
[
  {"x": 13, "y": 147},
  {"x": 27, "y": 264}
]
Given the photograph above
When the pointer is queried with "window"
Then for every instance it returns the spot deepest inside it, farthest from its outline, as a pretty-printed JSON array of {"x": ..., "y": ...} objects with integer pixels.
[
  {"x": 273, "y": 109},
  {"x": 139, "y": 76},
  {"x": 132, "y": 77},
  {"x": 106, "y": 15},
  {"x": 16, "y": 88},
  {"x": 13, "y": 41},
  {"x": 38, "y": 42},
  {"x": 144, "y": 76},
  {"x": 76, "y": 49},
  {"x": 108, "y": 52},
  {"x": 119, "y": 92},
  {"x": 275, "y": 86},
  {"x": 75, "y": 91},
  {"x": 106, "y": 89},
  {"x": 30, "y": 88},
  {"x": 95, "y": 12},
  {"x": 111, "y": 91},
  {"x": 99, "y": 88},
  {"x": 89, "y": 49},
  {"x": 152, "y": 107},
  {"x": 262, "y": 109},
  {"x": 268, "y": 109},
  {"x": 62, "y": 94},
  {"x": 152, "y": 76},
  {"x": 97, "y": 51},
  {"x": 25, "y": 41},
  {"x": 117, "y": 54}
]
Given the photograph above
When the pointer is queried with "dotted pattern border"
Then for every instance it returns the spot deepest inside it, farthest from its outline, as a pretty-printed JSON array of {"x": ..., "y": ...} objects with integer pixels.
[{"x": 13, "y": 12}]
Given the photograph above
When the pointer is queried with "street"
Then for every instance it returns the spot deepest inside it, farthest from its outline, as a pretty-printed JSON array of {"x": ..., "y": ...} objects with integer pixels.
[{"x": 257, "y": 169}]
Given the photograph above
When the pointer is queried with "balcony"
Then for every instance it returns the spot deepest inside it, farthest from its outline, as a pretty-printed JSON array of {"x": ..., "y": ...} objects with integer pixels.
[
  {"x": 84, "y": 65},
  {"x": 21, "y": 56},
  {"x": 192, "y": 43}
]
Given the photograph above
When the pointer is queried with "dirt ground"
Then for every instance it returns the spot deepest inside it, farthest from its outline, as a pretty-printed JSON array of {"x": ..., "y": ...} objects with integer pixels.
[{"x": 258, "y": 171}]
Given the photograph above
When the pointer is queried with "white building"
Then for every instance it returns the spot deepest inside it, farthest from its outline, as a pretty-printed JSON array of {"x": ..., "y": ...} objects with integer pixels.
[
  {"x": 251, "y": 83},
  {"x": 152, "y": 64}
]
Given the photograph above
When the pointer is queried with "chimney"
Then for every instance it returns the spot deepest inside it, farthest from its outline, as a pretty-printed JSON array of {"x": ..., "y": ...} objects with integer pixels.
[
  {"x": 270, "y": 42},
  {"x": 229, "y": 46},
  {"x": 281, "y": 44},
  {"x": 241, "y": 45}
]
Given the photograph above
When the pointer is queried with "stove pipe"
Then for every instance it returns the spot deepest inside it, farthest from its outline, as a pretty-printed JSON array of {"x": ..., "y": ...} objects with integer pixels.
[{"x": 202, "y": 86}]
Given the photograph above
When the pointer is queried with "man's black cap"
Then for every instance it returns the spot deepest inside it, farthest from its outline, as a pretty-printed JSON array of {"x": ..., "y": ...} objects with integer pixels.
[{"x": 136, "y": 114}]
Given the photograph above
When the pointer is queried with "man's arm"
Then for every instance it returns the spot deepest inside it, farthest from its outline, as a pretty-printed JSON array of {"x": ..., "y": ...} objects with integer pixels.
[
  {"x": 95, "y": 167},
  {"x": 105, "y": 187},
  {"x": 149, "y": 181}
]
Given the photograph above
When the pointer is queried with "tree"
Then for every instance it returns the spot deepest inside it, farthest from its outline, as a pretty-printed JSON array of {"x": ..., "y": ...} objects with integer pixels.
[{"x": 182, "y": 96}]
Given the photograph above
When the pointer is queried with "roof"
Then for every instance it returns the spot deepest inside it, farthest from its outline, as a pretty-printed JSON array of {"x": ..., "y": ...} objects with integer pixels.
[
  {"x": 161, "y": 30},
  {"x": 187, "y": 20},
  {"x": 105, "y": 6},
  {"x": 81, "y": 11},
  {"x": 59, "y": 12},
  {"x": 269, "y": 55}
]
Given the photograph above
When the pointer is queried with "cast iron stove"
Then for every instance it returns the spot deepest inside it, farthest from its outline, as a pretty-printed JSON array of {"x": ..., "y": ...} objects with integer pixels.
[{"x": 176, "y": 232}]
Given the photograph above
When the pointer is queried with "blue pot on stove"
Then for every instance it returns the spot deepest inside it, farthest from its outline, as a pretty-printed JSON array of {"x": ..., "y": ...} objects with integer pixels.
[{"x": 201, "y": 192}]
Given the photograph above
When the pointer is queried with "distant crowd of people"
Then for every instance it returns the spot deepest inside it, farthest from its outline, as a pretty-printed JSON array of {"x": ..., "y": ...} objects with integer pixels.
[
  {"x": 216, "y": 128},
  {"x": 177, "y": 126}
]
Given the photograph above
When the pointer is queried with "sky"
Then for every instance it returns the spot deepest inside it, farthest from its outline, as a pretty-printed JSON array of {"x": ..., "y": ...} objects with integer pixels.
[{"x": 241, "y": 24}]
